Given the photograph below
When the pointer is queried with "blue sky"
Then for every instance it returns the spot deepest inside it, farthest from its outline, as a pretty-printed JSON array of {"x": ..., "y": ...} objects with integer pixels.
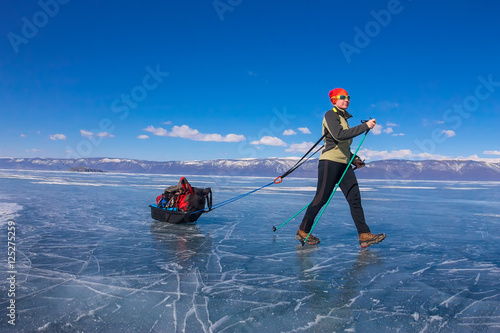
[{"x": 198, "y": 80}]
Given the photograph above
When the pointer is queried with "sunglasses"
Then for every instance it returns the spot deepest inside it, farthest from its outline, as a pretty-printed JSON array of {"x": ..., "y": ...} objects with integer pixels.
[{"x": 342, "y": 97}]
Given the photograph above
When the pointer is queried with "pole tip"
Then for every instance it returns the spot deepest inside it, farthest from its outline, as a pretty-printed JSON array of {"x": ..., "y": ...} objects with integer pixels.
[{"x": 274, "y": 228}]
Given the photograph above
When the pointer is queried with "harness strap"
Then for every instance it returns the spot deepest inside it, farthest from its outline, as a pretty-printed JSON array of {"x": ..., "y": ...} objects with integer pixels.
[{"x": 279, "y": 179}]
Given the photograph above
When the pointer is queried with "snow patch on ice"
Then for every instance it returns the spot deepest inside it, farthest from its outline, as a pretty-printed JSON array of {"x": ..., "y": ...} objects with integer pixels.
[
  {"x": 8, "y": 211},
  {"x": 447, "y": 262},
  {"x": 420, "y": 271},
  {"x": 435, "y": 318},
  {"x": 488, "y": 215}
]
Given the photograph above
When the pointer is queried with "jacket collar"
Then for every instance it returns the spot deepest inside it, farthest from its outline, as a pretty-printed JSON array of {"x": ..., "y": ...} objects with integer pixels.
[{"x": 343, "y": 113}]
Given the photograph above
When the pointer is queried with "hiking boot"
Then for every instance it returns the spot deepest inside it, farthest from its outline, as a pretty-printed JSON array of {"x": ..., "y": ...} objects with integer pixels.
[
  {"x": 302, "y": 235},
  {"x": 367, "y": 238}
]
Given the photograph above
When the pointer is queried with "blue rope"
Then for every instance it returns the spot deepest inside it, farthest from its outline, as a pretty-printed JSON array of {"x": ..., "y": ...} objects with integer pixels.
[{"x": 228, "y": 201}]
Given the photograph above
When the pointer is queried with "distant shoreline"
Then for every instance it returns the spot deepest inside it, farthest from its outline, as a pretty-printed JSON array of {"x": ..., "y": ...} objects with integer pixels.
[{"x": 463, "y": 170}]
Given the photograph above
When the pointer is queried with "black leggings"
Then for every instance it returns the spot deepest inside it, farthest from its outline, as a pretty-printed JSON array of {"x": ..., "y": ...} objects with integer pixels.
[{"x": 329, "y": 174}]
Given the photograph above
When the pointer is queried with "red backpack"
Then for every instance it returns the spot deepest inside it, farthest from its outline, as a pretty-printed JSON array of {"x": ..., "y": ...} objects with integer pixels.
[
  {"x": 185, "y": 190},
  {"x": 184, "y": 197},
  {"x": 177, "y": 195}
]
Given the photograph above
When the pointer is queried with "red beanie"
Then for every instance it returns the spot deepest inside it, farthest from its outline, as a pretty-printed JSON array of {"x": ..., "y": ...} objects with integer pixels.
[{"x": 336, "y": 92}]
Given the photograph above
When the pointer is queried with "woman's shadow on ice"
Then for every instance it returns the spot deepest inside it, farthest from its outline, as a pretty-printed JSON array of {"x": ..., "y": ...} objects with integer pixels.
[{"x": 351, "y": 275}]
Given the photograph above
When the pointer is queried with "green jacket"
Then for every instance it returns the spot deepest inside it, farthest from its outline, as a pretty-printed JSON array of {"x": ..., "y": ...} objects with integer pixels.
[{"x": 339, "y": 136}]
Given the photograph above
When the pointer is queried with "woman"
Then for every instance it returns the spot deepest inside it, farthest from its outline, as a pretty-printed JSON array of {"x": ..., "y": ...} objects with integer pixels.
[{"x": 332, "y": 163}]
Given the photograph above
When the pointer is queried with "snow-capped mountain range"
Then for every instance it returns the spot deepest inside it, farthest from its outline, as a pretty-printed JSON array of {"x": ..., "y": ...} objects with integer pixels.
[{"x": 270, "y": 167}]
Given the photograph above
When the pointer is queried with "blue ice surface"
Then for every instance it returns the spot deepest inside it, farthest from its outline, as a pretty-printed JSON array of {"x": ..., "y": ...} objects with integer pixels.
[{"x": 90, "y": 258}]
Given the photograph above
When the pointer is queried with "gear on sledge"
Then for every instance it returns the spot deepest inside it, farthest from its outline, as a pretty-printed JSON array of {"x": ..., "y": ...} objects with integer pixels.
[{"x": 181, "y": 203}]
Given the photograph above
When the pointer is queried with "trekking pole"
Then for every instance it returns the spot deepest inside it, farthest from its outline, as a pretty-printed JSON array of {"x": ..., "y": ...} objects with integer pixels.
[
  {"x": 336, "y": 186},
  {"x": 291, "y": 218}
]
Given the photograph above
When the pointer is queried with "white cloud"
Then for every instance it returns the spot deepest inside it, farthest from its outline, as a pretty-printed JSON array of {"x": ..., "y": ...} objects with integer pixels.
[
  {"x": 89, "y": 134},
  {"x": 300, "y": 147},
  {"x": 377, "y": 130},
  {"x": 304, "y": 130},
  {"x": 398, "y": 134},
  {"x": 384, "y": 154},
  {"x": 234, "y": 138},
  {"x": 491, "y": 152},
  {"x": 407, "y": 154},
  {"x": 33, "y": 150},
  {"x": 269, "y": 141},
  {"x": 105, "y": 135},
  {"x": 250, "y": 73},
  {"x": 389, "y": 127},
  {"x": 186, "y": 132},
  {"x": 449, "y": 133},
  {"x": 85, "y": 133},
  {"x": 399, "y": 154},
  {"x": 388, "y": 130},
  {"x": 427, "y": 156},
  {"x": 475, "y": 158},
  {"x": 156, "y": 131},
  {"x": 57, "y": 137},
  {"x": 167, "y": 122},
  {"x": 143, "y": 137},
  {"x": 289, "y": 132},
  {"x": 481, "y": 159}
]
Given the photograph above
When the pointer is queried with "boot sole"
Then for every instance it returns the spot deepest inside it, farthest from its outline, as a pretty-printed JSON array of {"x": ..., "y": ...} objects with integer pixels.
[{"x": 375, "y": 240}]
